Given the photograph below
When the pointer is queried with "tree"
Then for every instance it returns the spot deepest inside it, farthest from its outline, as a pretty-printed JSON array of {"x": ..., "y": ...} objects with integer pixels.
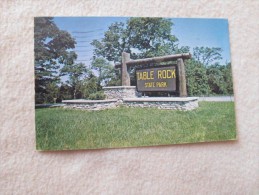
[
  {"x": 216, "y": 80},
  {"x": 182, "y": 49},
  {"x": 52, "y": 91},
  {"x": 89, "y": 86},
  {"x": 220, "y": 79},
  {"x": 76, "y": 73},
  {"x": 206, "y": 55},
  {"x": 197, "y": 80},
  {"x": 65, "y": 92},
  {"x": 104, "y": 70},
  {"x": 113, "y": 43},
  {"x": 150, "y": 37},
  {"x": 141, "y": 37},
  {"x": 116, "y": 77},
  {"x": 205, "y": 75},
  {"x": 227, "y": 74},
  {"x": 51, "y": 47}
]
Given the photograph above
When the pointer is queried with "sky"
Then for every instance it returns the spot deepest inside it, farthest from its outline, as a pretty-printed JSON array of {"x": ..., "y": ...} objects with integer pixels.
[
  {"x": 203, "y": 32},
  {"x": 190, "y": 32}
]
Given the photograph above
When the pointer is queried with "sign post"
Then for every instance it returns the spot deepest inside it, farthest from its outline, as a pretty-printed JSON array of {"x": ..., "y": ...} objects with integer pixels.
[
  {"x": 125, "y": 77},
  {"x": 182, "y": 78}
]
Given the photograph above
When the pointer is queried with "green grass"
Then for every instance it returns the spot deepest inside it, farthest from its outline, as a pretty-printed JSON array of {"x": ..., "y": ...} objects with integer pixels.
[{"x": 62, "y": 129}]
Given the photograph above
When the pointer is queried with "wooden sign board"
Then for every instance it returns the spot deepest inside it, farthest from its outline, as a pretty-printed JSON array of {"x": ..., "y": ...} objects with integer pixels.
[{"x": 159, "y": 78}]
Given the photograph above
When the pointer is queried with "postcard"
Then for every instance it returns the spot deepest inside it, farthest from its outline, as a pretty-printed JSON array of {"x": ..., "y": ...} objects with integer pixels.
[{"x": 116, "y": 82}]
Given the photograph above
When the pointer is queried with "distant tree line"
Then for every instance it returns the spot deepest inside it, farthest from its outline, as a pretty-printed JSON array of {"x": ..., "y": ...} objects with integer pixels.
[
  {"x": 58, "y": 77},
  {"x": 205, "y": 76}
]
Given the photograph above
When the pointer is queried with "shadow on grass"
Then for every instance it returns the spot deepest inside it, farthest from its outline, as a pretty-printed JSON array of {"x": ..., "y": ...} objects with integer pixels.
[{"x": 41, "y": 106}]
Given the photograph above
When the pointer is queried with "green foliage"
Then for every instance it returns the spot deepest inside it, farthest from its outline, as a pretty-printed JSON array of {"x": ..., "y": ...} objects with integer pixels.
[
  {"x": 197, "y": 80},
  {"x": 205, "y": 76},
  {"x": 104, "y": 70},
  {"x": 90, "y": 86},
  {"x": 227, "y": 75},
  {"x": 97, "y": 96},
  {"x": 182, "y": 49},
  {"x": 216, "y": 80},
  {"x": 141, "y": 37},
  {"x": 65, "y": 92},
  {"x": 220, "y": 79},
  {"x": 115, "y": 80},
  {"x": 60, "y": 129},
  {"x": 150, "y": 36},
  {"x": 113, "y": 43},
  {"x": 50, "y": 94},
  {"x": 86, "y": 88},
  {"x": 211, "y": 80},
  {"x": 50, "y": 51},
  {"x": 206, "y": 55},
  {"x": 75, "y": 73}
]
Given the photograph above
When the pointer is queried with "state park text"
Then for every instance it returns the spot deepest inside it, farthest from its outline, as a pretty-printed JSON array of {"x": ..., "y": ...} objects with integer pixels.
[{"x": 156, "y": 79}]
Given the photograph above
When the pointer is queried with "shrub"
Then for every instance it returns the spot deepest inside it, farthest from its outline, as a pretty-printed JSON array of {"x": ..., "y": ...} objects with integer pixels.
[{"x": 99, "y": 95}]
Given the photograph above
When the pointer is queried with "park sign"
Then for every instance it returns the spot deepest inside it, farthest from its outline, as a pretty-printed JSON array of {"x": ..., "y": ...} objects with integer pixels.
[
  {"x": 166, "y": 84},
  {"x": 159, "y": 78}
]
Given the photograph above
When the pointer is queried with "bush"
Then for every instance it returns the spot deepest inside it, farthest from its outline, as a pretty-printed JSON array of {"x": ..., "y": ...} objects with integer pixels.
[
  {"x": 197, "y": 80},
  {"x": 97, "y": 96}
]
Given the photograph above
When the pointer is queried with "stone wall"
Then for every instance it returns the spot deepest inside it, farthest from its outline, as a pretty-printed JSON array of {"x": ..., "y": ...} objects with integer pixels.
[
  {"x": 183, "y": 104},
  {"x": 91, "y": 104},
  {"x": 120, "y": 92}
]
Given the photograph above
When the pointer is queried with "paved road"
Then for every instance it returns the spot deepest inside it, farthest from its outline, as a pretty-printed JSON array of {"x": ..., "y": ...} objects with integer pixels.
[{"x": 217, "y": 99}]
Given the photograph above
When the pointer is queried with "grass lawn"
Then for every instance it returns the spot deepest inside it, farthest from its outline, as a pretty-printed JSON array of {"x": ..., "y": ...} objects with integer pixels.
[{"x": 62, "y": 129}]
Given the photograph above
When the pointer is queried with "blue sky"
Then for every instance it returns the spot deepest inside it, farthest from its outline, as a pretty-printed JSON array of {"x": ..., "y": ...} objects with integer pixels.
[
  {"x": 203, "y": 32},
  {"x": 190, "y": 32}
]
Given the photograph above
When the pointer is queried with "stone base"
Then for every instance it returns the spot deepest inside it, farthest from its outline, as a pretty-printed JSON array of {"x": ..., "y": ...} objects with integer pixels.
[
  {"x": 172, "y": 103},
  {"x": 120, "y": 92},
  {"x": 91, "y": 104}
]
